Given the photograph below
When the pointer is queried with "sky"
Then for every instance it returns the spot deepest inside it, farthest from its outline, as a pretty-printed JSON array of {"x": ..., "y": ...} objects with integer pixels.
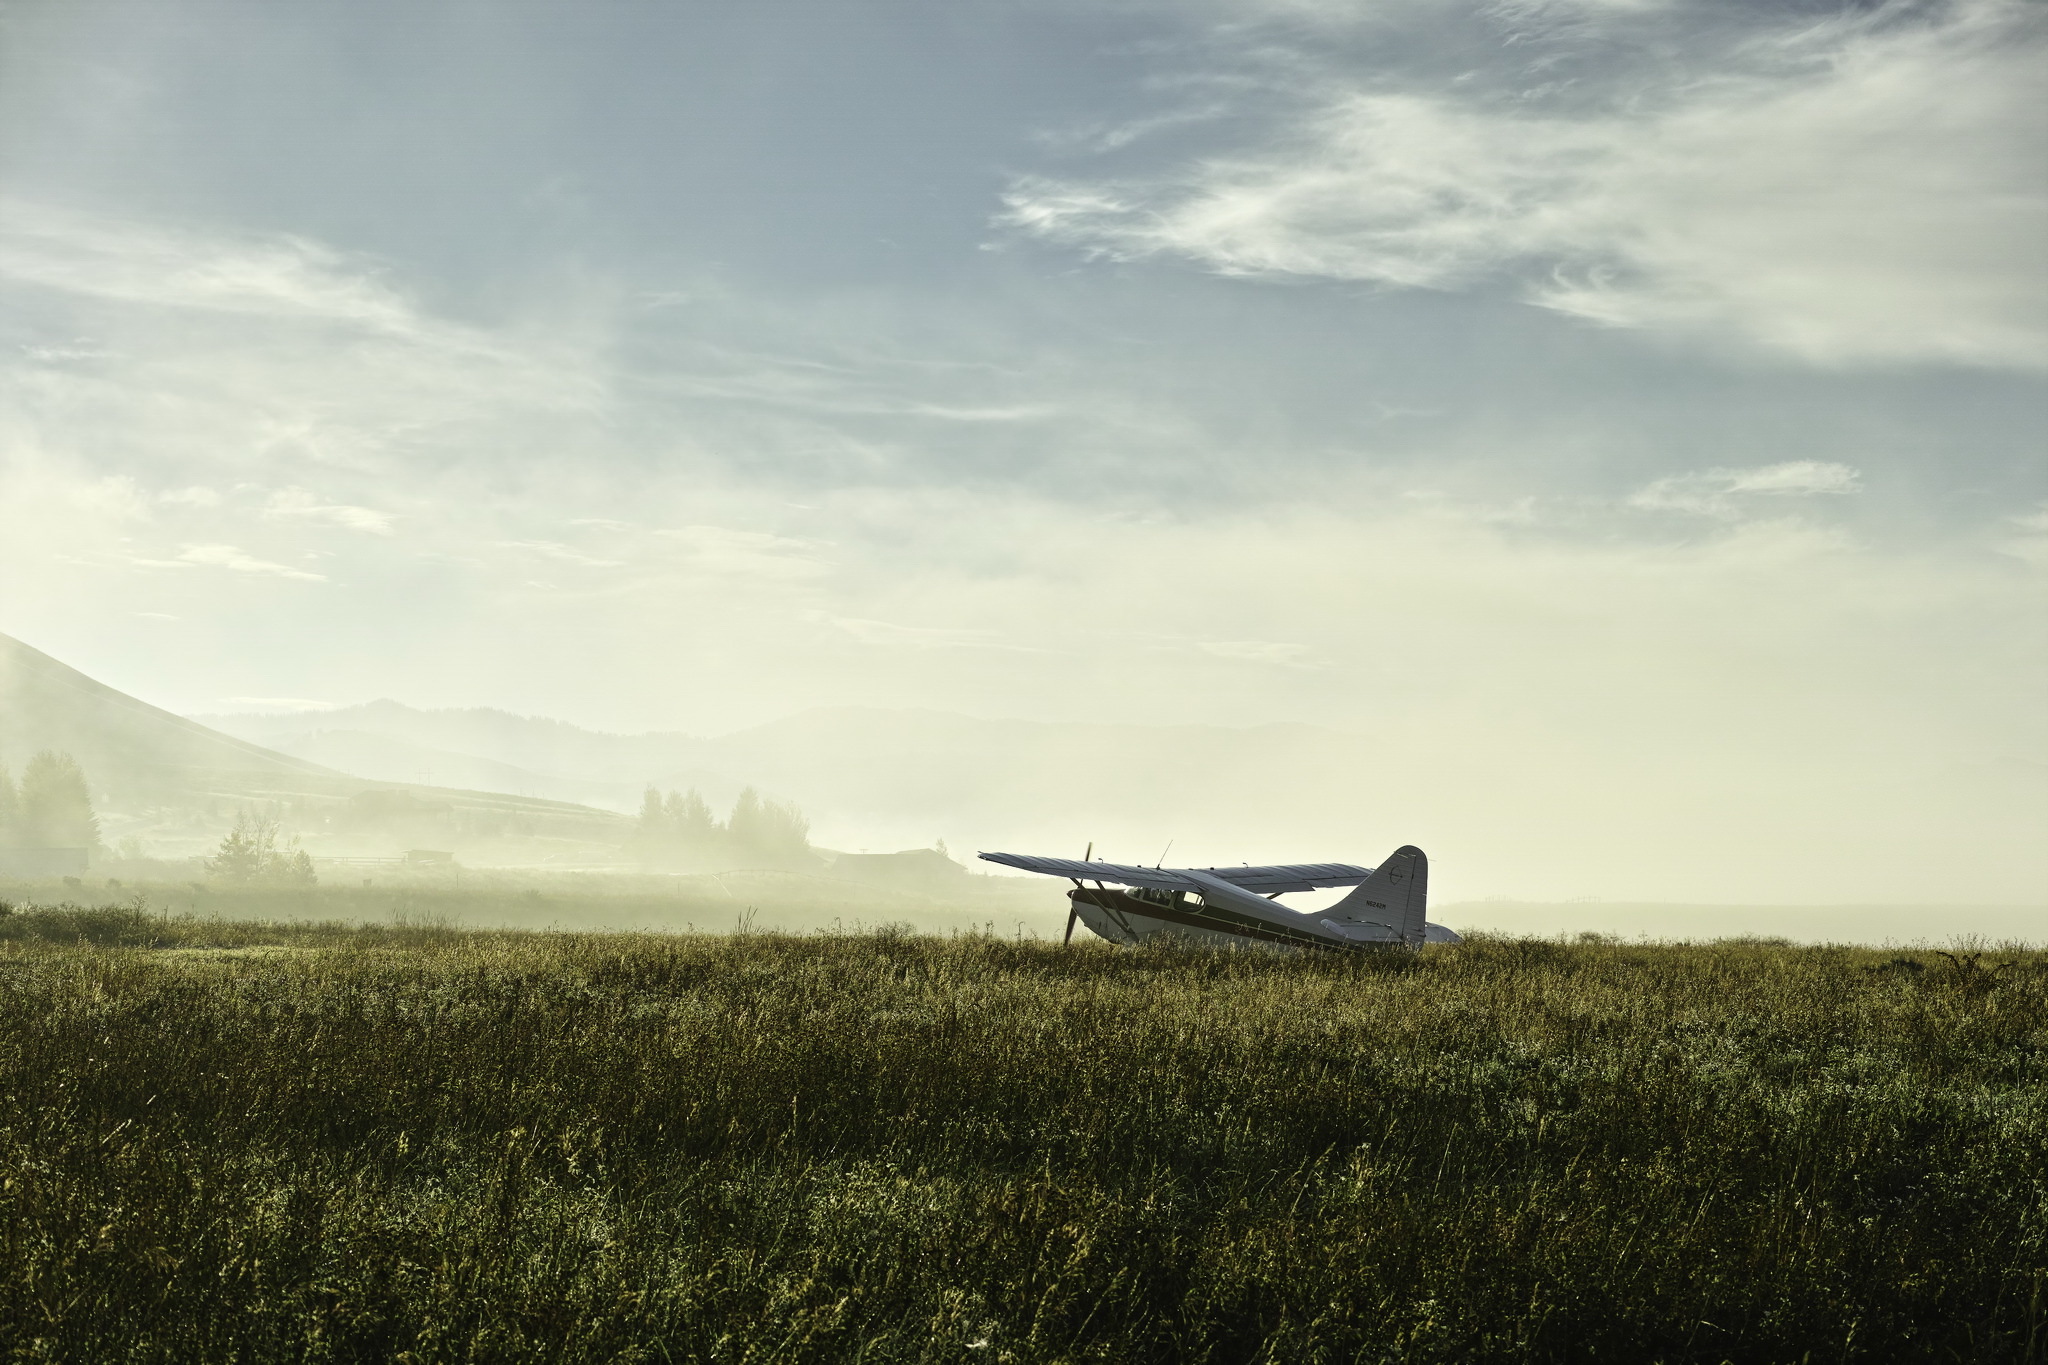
[{"x": 1626, "y": 407}]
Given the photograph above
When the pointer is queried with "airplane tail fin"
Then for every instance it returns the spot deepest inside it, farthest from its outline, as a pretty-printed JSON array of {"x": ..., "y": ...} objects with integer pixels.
[{"x": 1396, "y": 895}]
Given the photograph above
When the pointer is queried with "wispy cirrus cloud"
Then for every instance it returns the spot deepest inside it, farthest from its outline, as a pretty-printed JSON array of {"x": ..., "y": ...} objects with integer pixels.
[
  {"x": 753, "y": 554},
  {"x": 1277, "y": 653},
  {"x": 1719, "y": 492},
  {"x": 123, "y": 261},
  {"x": 1863, "y": 189},
  {"x": 273, "y": 346},
  {"x": 296, "y": 504},
  {"x": 239, "y": 561},
  {"x": 889, "y": 634},
  {"x": 2028, "y": 538},
  {"x": 562, "y": 554}
]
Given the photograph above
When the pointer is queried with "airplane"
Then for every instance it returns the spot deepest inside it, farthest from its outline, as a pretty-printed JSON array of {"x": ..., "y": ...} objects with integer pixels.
[{"x": 1237, "y": 905}]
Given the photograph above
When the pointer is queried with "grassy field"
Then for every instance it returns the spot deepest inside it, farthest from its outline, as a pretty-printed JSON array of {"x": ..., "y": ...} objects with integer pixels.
[{"x": 234, "y": 1141}]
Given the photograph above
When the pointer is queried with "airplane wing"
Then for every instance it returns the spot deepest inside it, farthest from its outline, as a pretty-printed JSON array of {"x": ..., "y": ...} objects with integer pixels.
[
  {"x": 1263, "y": 881},
  {"x": 1164, "y": 879},
  {"x": 1291, "y": 876}
]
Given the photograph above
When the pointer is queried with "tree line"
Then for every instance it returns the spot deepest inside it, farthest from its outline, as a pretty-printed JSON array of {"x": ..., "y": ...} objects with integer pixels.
[
  {"x": 679, "y": 827},
  {"x": 50, "y": 807}
]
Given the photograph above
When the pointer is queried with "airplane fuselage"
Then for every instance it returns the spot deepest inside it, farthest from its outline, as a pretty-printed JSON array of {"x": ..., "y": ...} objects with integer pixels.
[{"x": 1133, "y": 916}]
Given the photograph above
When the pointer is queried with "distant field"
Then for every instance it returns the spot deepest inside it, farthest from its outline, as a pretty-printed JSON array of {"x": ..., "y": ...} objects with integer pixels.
[
  {"x": 229, "y": 1140},
  {"x": 1869, "y": 924},
  {"x": 1009, "y": 907},
  {"x": 529, "y": 899}
]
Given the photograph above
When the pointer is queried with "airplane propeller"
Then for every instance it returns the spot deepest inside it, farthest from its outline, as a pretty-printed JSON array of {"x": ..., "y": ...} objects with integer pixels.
[{"x": 1073, "y": 907}]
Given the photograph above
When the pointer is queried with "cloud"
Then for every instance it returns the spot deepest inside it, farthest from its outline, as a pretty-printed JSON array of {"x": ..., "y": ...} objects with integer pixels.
[
  {"x": 562, "y": 554},
  {"x": 113, "y": 498},
  {"x": 1714, "y": 492},
  {"x": 63, "y": 353},
  {"x": 1110, "y": 137},
  {"x": 123, "y": 261},
  {"x": 721, "y": 549},
  {"x": 229, "y": 557},
  {"x": 267, "y": 348},
  {"x": 1259, "y": 652},
  {"x": 2029, "y": 541},
  {"x": 889, "y": 634},
  {"x": 1867, "y": 189},
  {"x": 190, "y": 497},
  {"x": 848, "y": 380},
  {"x": 296, "y": 504}
]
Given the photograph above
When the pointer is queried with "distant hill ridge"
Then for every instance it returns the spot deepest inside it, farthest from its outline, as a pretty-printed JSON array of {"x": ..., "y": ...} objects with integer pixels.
[
  {"x": 884, "y": 778},
  {"x": 477, "y": 747},
  {"x": 136, "y": 754},
  {"x": 126, "y": 744}
]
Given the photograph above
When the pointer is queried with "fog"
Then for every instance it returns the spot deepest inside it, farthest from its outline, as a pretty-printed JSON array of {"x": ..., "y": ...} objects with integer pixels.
[{"x": 1599, "y": 444}]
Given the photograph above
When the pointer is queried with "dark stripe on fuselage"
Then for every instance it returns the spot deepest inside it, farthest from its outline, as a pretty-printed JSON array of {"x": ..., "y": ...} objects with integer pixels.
[{"x": 1211, "y": 917}]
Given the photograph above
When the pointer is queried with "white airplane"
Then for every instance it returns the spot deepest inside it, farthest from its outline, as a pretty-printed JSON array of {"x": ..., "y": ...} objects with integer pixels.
[{"x": 1236, "y": 905}]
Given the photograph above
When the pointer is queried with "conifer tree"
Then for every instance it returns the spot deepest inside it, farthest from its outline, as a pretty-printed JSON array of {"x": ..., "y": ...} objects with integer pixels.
[
  {"x": 10, "y": 810},
  {"x": 244, "y": 850}
]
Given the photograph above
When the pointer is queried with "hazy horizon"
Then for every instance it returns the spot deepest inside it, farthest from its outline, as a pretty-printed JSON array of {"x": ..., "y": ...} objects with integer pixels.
[{"x": 1624, "y": 416}]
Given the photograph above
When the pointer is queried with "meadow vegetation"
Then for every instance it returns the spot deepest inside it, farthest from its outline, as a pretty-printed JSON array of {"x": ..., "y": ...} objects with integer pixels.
[
  {"x": 761, "y": 899},
  {"x": 228, "y": 1140}
]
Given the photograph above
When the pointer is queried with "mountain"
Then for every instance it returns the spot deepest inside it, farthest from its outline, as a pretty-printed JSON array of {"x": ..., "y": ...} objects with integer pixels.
[
  {"x": 134, "y": 752},
  {"x": 141, "y": 759}
]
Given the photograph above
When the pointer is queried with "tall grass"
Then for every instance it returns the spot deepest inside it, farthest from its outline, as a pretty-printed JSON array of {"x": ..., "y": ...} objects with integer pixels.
[{"x": 416, "y": 1143}]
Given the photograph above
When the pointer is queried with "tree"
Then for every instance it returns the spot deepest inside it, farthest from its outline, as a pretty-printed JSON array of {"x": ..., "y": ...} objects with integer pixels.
[
  {"x": 55, "y": 809},
  {"x": 245, "y": 850},
  {"x": 249, "y": 853},
  {"x": 675, "y": 826},
  {"x": 772, "y": 830},
  {"x": 10, "y": 810},
  {"x": 689, "y": 820},
  {"x": 296, "y": 869},
  {"x": 680, "y": 827},
  {"x": 653, "y": 817}
]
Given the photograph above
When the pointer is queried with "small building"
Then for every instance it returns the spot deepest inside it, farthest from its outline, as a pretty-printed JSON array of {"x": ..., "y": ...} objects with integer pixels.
[{"x": 913, "y": 867}]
